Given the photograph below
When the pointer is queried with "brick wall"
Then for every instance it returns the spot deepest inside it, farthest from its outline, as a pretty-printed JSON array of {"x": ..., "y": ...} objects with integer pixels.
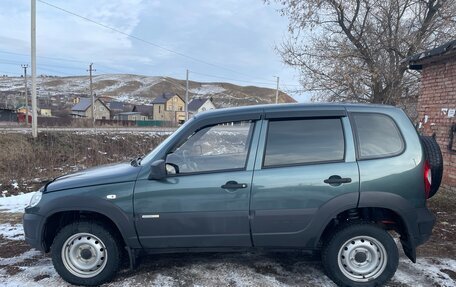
[{"x": 438, "y": 92}]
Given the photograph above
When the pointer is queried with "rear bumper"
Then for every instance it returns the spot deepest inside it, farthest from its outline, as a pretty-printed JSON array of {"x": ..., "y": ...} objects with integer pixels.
[
  {"x": 33, "y": 231},
  {"x": 425, "y": 221},
  {"x": 420, "y": 224}
]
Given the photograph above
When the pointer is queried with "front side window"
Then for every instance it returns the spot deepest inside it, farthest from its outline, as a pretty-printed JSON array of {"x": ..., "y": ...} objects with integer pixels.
[
  {"x": 213, "y": 148},
  {"x": 377, "y": 136},
  {"x": 304, "y": 141}
]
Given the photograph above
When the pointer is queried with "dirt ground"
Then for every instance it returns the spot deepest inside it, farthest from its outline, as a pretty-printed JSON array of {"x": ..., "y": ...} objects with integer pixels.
[
  {"x": 436, "y": 264},
  {"x": 443, "y": 240}
]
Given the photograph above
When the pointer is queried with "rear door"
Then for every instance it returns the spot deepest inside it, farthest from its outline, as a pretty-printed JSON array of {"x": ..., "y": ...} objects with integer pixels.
[{"x": 302, "y": 164}]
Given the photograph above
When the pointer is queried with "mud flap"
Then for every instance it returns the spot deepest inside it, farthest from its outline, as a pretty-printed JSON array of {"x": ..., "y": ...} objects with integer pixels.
[
  {"x": 133, "y": 256},
  {"x": 409, "y": 249}
]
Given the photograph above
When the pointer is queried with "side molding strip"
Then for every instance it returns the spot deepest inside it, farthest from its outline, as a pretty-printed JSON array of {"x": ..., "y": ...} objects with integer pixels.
[{"x": 151, "y": 216}]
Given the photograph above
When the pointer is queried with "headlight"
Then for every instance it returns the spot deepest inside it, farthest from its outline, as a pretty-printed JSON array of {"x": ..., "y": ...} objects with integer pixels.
[{"x": 35, "y": 199}]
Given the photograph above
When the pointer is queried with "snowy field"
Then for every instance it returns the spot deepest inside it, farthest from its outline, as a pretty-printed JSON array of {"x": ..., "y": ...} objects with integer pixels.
[{"x": 22, "y": 266}]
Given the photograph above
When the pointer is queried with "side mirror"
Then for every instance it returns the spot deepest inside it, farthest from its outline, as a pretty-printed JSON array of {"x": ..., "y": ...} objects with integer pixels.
[{"x": 158, "y": 170}]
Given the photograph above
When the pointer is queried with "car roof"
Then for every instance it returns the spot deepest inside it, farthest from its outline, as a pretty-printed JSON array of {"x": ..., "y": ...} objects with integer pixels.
[{"x": 288, "y": 109}]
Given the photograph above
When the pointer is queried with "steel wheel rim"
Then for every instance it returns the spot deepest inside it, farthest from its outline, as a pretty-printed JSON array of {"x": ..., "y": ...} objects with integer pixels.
[
  {"x": 84, "y": 255},
  {"x": 362, "y": 258}
]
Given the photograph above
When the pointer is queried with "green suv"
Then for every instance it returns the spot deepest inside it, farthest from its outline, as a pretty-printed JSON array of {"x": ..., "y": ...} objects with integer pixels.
[{"x": 334, "y": 179}]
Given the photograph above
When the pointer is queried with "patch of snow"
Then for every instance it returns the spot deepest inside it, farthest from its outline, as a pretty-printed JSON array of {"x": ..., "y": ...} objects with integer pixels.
[
  {"x": 207, "y": 90},
  {"x": 15, "y": 203},
  {"x": 163, "y": 280},
  {"x": 27, "y": 277},
  {"x": 12, "y": 231},
  {"x": 21, "y": 258},
  {"x": 426, "y": 272}
]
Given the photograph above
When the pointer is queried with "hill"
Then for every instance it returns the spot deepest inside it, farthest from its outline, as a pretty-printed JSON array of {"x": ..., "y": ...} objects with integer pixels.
[{"x": 143, "y": 89}]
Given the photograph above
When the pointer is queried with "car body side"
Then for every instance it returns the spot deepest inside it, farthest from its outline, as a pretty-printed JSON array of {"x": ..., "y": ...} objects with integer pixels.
[{"x": 386, "y": 190}]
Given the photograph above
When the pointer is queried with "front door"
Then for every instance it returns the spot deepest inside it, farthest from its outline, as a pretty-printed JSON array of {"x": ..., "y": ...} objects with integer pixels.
[
  {"x": 302, "y": 164},
  {"x": 204, "y": 200}
]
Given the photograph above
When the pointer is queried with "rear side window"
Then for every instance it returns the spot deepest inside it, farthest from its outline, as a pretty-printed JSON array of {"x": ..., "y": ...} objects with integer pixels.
[
  {"x": 377, "y": 136},
  {"x": 293, "y": 142}
]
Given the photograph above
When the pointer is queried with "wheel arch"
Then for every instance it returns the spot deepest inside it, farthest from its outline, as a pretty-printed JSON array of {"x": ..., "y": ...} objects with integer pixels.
[
  {"x": 390, "y": 210},
  {"x": 60, "y": 213}
]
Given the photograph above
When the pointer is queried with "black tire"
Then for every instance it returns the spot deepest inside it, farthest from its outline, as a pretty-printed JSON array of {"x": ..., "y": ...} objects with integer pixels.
[
  {"x": 342, "y": 236},
  {"x": 434, "y": 157},
  {"x": 108, "y": 240}
]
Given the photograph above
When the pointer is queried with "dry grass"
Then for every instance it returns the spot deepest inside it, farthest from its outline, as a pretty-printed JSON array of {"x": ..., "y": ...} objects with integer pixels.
[{"x": 29, "y": 162}]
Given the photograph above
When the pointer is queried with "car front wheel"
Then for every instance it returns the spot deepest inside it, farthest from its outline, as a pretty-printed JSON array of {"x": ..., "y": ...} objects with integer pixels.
[
  {"x": 86, "y": 253},
  {"x": 360, "y": 254}
]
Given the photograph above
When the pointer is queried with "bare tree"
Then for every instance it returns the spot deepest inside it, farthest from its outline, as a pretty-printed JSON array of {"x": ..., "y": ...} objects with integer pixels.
[{"x": 353, "y": 50}]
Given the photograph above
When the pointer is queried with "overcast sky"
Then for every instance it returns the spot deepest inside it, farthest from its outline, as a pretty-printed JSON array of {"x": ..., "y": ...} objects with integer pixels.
[{"x": 230, "y": 39}]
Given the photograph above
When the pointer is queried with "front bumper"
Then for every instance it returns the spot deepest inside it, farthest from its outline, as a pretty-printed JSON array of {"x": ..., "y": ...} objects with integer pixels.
[{"x": 33, "y": 230}]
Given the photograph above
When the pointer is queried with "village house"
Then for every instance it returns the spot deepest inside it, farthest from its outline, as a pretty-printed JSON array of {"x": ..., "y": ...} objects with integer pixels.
[
  {"x": 169, "y": 107},
  {"x": 23, "y": 110},
  {"x": 83, "y": 109},
  {"x": 130, "y": 116},
  {"x": 115, "y": 107},
  {"x": 144, "y": 110},
  {"x": 198, "y": 105},
  {"x": 437, "y": 103},
  {"x": 45, "y": 112}
]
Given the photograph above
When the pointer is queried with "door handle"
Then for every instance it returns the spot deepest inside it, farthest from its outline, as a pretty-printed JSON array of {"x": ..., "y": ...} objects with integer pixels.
[
  {"x": 233, "y": 185},
  {"x": 336, "y": 180}
]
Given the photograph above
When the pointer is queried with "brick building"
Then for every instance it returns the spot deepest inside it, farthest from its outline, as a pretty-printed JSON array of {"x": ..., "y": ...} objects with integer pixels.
[{"x": 437, "y": 103}]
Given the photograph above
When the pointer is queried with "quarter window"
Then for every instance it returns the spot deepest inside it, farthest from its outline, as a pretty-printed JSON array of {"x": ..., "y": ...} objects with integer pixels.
[
  {"x": 292, "y": 142},
  {"x": 377, "y": 135}
]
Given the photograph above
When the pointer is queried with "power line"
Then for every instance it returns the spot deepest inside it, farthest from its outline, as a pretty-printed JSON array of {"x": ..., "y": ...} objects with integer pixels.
[
  {"x": 59, "y": 59},
  {"x": 142, "y": 40},
  {"x": 44, "y": 57},
  {"x": 271, "y": 83},
  {"x": 10, "y": 62},
  {"x": 120, "y": 71},
  {"x": 10, "y": 73}
]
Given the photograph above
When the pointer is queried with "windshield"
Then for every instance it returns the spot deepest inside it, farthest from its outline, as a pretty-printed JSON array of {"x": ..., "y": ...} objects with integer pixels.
[{"x": 152, "y": 154}]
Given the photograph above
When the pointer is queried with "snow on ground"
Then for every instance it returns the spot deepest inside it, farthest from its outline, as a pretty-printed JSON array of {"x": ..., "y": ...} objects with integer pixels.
[
  {"x": 29, "y": 254},
  {"x": 207, "y": 90},
  {"x": 15, "y": 203},
  {"x": 426, "y": 272},
  {"x": 12, "y": 231},
  {"x": 41, "y": 273}
]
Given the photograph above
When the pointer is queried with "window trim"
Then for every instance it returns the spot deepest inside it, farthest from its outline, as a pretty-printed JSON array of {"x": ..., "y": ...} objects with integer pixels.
[
  {"x": 356, "y": 136},
  {"x": 244, "y": 168},
  {"x": 263, "y": 166}
]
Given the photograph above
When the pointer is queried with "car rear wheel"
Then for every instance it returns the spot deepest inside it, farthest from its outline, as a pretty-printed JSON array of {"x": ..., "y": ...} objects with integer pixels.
[
  {"x": 86, "y": 253},
  {"x": 360, "y": 254}
]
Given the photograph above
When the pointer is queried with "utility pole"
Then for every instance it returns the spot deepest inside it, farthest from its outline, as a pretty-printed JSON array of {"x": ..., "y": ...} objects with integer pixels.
[
  {"x": 277, "y": 91},
  {"x": 90, "y": 70},
  {"x": 26, "y": 94},
  {"x": 33, "y": 40},
  {"x": 186, "y": 98}
]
